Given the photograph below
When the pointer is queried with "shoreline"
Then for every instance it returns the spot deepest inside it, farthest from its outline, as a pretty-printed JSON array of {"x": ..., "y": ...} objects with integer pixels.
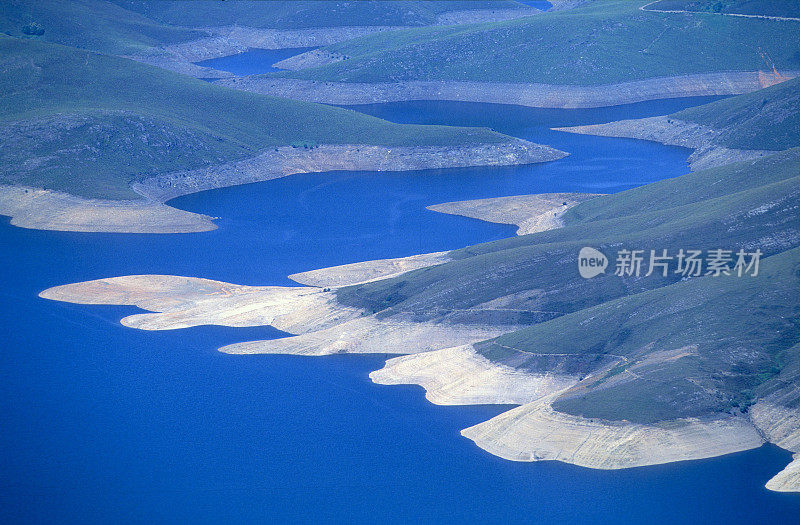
[
  {"x": 50, "y": 210},
  {"x": 286, "y": 160},
  {"x": 522, "y": 94},
  {"x": 673, "y": 132},
  {"x": 537, "y": 432},
  {"x": 441, "y": 358},
  {"x": 232, "y": 40},
  {"x": 38, "y": 209},
  {"x": 530, "y": 213}
]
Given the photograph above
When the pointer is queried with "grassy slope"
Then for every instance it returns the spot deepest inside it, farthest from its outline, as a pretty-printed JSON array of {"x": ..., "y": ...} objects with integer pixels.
[
  {"x": 788, "y": 8},
  {"x": 298, "y": 15},
  {"x": 747, "y": 204},
  {"x": 765, "y": 119},
  {"x": 738, "y": 331},
  {"x": 89, "y": 24},
  {"x": 603, "y": 42},
  {"x": 187, "y": 122},
  {"x": 705, "y": 209}
]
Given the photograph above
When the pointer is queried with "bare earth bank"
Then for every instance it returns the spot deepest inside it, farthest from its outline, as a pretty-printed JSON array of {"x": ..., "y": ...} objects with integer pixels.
[
  {"x": 532, "y": 95},
  {"x": 673, "y": 132},
  {"x": 440, "y": 357},
  {"x": 40, "y": 209},
  {"x": 531, "y": 213}
]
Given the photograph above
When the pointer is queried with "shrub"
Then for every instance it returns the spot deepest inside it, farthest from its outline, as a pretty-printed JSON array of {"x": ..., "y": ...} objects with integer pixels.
[{"x": 33, "y": 28}]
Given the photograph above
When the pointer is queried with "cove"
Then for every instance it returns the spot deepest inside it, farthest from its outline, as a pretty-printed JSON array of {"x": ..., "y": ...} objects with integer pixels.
[{"x": 105, "y": 423}]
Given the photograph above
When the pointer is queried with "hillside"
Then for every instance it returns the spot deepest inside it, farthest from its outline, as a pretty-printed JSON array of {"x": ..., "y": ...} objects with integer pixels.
[
  {"x": 766, "y": 119},
  {"x": 601, "y": 42},
  {"x": 64, "y": 106},
  {"x": 705, "y": 209},
  {"x": 787, "y": 8},
  {"x": 734, "y": 326},
  {"x": 305, "y": 14},
  {"x": 97, "y": 25},
  {"x": 696, "y": 347}
]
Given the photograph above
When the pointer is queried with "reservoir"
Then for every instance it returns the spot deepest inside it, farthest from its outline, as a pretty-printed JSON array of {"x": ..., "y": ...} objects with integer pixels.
[
  {"x": 123, "y": 425},
  {"x": 253, "y": 61}
]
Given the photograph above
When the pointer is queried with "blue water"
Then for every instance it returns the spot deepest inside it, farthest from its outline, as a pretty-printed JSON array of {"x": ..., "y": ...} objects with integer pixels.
[
  {"x": 542, "y": 5},
  {"x": 105, "y": 423},
  {"x": 253, "y": 61}
]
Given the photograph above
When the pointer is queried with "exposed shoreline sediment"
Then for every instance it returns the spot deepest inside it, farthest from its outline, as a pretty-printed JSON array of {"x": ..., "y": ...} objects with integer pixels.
[
  {"x": 536, "y": 432},
  {"x": 780, "y": 425},
  {"x": 673, "y": 132},
  {"x": 521, "y": 94},
  {"x": 530, "y": 213},
  {"x": 362, "y": 272},
  {"x": 49, "y": 210},
  {"x": 440, "y": 357},
  {"x": 231, "y": 40},
  {"x": 286, "y": 160},
  {"x": 40, "y": 209}
]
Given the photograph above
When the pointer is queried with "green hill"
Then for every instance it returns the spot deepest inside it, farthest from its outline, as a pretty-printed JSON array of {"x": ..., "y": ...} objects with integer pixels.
[
  {"x": 606, "y": 41},
  {"x": 97, "y": 25},
  {"x": 705, "y": 209},
  {"x": 127, "y": 27},
  {"x": 304, "y": 14},
  {"x": 740, "y": 330},
  {"x": 722, "y": 341},
  {"x": 787, "y": 8},
  {"x": 765, "y": 119},
  {"x": 89, "y": 124}
]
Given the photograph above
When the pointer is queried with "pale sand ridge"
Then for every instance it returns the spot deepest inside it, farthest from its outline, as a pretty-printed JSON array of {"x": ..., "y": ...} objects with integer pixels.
[
  {"x": 362, "y": 272},
  {"x": 530, "y": 213}
]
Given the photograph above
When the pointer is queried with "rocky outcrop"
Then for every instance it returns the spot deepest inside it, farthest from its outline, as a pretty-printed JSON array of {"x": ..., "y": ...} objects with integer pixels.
[
  {"x": 49, "y": 210},
  {"x": 532, "y": 95},
  {"x": 673, "y": 132},
  {"x": 283, "y": 161},
  {"x": 530, "y": 213}
]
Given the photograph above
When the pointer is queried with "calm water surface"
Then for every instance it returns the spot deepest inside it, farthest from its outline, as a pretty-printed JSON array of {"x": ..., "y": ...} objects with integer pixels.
[
  {"x": 253, "y": 61},
  {"x": 104, "y": 423},
  {"x": 543, "y": 5}
]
